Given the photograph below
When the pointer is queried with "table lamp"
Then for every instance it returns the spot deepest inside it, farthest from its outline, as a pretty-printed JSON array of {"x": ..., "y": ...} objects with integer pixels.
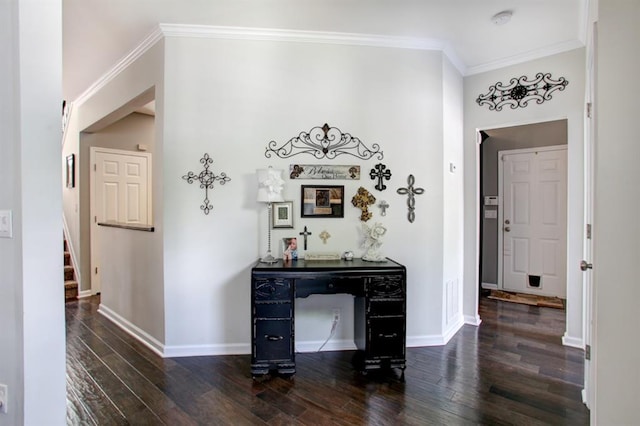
[{"x": 270, "y": 184}]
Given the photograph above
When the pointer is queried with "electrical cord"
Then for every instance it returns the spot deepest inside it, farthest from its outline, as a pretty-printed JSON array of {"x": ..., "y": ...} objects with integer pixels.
[{"x": 334, "y": 326}]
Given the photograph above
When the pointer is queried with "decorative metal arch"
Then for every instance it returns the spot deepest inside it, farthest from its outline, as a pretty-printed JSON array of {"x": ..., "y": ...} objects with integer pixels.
[
  {"x": 324, "y": 142},
  {"x": 519, "y": 92}
]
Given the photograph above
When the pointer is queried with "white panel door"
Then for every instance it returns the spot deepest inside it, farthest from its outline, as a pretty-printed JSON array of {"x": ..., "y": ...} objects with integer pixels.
[
  {"x": 534, "y": 221},
  {"x": 121, "y": 188},
  {"x": 120, "y": 193}
]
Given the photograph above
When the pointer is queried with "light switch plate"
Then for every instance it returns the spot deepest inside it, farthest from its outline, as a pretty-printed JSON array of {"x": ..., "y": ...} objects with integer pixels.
[{"x": 6, "y": 224}]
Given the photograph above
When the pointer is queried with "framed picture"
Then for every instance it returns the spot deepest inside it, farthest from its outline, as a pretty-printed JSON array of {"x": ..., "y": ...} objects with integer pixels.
[
  {"x": 282, "y": 214},
  {"x": 322, "y": 201},
  {"x": 71, "y": 171},
  {"x": 290, "y": 248}
]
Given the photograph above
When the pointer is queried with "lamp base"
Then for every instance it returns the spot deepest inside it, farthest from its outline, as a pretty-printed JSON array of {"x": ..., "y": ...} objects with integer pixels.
[{"x": 268, "y": 259}]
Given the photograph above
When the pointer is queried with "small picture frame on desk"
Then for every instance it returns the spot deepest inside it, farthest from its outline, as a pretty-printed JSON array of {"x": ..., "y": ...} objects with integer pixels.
[
  {"x": 290, "y": 248},
  {"x": 282, "y": 214}
]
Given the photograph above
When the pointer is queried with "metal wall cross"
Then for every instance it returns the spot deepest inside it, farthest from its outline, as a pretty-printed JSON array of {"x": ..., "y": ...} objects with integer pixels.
[
  {"x": 324, "y": 236},
  {"x": 380, "y": 173},
  {"x": 411, "y": 192},
  {"x": 305, "y": 234},
  {"x": 383, "y": 207},
  {"x": 206, "y": 179}
]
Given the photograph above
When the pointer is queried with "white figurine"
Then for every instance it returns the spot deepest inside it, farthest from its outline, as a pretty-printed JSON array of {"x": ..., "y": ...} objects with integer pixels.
[{"x": 372, "y": 242}]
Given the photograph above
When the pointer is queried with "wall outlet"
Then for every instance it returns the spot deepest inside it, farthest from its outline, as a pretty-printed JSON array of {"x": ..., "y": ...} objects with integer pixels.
[
  {"x": 336, "y": 315},
  {"x": 3, "y": 398}
]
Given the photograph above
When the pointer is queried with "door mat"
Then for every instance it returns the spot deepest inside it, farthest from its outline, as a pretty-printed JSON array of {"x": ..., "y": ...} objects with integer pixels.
[{"x": 528, "y": 299}]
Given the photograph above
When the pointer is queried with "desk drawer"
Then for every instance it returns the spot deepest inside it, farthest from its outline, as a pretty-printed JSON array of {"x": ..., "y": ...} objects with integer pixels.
[
  {"x": 386, "y": 287},
  {"x": 307, "y": 286},
  {"x": 386, "y": 307},
  {"x": 272, "y": 340},
  {"x": 387, "y": 337},
  {"x": 272, "y": 310},
  {"x": 272, "y": 289}
]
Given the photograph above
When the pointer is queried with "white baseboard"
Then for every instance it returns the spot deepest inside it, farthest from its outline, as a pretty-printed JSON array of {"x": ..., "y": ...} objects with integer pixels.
[
  {"x": 572, "y": 342},
  {"x": 206, "y": 350},
  {"x": 136, "y": 332},
  {"x": 427, "y": 340},
  {"x": 332, "y": 345},
  {"x": 490, "y": 286},
  {"x": 472, "y": 320},
  {"x": 84, "y": 293}
]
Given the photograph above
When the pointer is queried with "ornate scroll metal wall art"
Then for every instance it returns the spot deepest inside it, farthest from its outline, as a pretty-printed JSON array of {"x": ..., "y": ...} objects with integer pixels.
[
  {"x": 380, "y": 172},
  {"x": 206, "y": 179},
  {"x": 324, "y": 142},
  {"x": 410, "y": 191},
  {"x": 520, "y": 91}
]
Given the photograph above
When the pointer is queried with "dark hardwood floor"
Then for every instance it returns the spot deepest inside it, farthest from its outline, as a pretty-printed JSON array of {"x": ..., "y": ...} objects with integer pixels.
[{"x": 512, "y": 369}]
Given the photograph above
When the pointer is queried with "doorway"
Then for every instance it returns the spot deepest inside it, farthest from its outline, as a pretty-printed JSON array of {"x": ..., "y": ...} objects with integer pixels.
[
  {"x": 121, "y": 196},
  {"x": 522, "y": 137},
  {"x": 532, "y": 217}
]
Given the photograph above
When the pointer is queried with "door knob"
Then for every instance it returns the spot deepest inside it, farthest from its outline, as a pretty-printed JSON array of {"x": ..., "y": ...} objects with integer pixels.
[
  {"x": 507, "y": 229},
  {"x": 507, "y": 222},
  {"x": 584, "y": 265}
]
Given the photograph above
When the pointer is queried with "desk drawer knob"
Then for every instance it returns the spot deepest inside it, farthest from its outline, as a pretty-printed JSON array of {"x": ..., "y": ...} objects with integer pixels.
[{"x": 272, "y": 337}]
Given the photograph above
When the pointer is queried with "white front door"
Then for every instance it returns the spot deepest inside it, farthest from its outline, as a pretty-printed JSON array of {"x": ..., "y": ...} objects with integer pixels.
[
  {"x": 533, "y": 215},
  {"x": 120, "y": 185}
]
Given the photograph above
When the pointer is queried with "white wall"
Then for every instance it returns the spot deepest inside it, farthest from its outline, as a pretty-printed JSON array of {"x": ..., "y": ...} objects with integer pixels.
[
  {"x": 453, "y": 202},
  {"x": 616, "y": 341},
  {"x": 31, "y": 285},
  {"x": 132, "y": 281},
  {"x": 567, "y": 104},
  {"x": 229, "y": 98}
]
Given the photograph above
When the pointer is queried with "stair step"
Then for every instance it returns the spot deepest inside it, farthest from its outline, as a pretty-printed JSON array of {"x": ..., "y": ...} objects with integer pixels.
[
  {"x": 67, "y": 258},
  {"x": 69, "y": 273},
  {"x": 70, "y": 290}
]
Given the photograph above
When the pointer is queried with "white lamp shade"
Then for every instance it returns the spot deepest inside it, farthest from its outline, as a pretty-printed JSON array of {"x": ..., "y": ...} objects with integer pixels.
[{"x": 270, "y": 184}]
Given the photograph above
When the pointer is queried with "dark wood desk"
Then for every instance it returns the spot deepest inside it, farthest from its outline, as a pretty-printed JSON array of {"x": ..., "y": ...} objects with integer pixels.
[{"x": 379, "y": 310}]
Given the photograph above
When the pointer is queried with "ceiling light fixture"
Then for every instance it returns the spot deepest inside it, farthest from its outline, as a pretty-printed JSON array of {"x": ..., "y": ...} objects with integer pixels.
[{"x": 502, "y": 17}]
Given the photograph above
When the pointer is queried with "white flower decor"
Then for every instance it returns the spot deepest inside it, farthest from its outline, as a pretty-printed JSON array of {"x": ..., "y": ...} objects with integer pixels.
[{"x": 372, "y": 242}]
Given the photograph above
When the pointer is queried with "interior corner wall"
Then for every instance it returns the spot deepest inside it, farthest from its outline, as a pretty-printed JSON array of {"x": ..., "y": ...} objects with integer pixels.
[
  {"x": 453, "y": 202},
  {"x": 567, "y": 104},
  {"x": 616, "y": 230},
  {"x": 229, "y": 99},
  {"x": 31, "y": 292},
  {"x": 11, "y": 282},
  {"x": 71, "y": 202},
  {"x": 139, "y": 307}
]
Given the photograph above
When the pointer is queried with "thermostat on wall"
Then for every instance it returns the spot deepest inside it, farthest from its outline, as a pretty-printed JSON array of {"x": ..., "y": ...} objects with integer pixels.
[{"x": 491, "y": 200}]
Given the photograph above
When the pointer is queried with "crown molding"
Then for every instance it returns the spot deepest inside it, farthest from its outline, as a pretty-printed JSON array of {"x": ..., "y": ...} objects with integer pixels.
[
  {"x": 322, "y": 37},
  {"x": 338, "y": 38},
  {"x": 525, "y": 57},
  {"x": 123, "y": 63}
]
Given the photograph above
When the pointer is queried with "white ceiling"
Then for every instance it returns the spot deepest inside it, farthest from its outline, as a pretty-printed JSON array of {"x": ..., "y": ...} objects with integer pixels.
[{"x": 98, "y": 33}]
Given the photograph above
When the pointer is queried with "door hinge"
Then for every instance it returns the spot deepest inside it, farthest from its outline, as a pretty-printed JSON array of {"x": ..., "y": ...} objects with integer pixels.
[
  {"x": 589, "y": 109},
  {"x": 587, "y": 352},
  {"x": 94, "y": 168},
  {"x": 96, "y": 269},
  {"x": 588, "y": 231}
]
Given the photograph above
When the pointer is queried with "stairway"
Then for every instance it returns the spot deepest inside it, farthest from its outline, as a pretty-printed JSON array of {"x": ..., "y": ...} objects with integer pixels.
[{"x": 70, "y": 283}]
